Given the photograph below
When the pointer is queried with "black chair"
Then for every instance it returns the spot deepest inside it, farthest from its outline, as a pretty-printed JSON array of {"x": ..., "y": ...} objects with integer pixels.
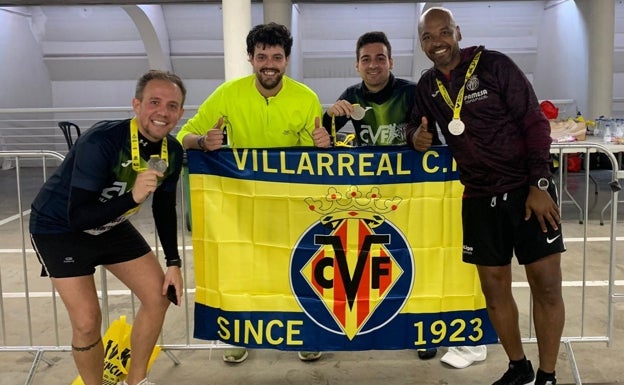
[{"x": 67, "y": 127}]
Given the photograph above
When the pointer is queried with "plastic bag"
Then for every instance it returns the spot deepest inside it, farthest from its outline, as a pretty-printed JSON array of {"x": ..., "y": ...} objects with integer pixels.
[
  {"x": 116, "y": 342},
  {"x": 550, "y": 110}
]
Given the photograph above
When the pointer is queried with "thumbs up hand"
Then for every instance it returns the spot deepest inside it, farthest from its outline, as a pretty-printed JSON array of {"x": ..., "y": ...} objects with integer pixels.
[
  {"x": 422, "y": 139},
  {"x": 213, "y": 140},
  {"x": 320, "y": 134}
]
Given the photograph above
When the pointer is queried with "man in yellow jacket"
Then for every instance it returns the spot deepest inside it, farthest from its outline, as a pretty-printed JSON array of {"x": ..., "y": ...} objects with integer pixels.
[{"x": 262, "y": 110}]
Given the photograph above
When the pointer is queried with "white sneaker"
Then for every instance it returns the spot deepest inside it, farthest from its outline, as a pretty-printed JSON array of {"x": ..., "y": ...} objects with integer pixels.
[
  {"x": 309, "y": 356},
  {"x": 463, "y": 356},
  {"x": 142, "y": 382}
]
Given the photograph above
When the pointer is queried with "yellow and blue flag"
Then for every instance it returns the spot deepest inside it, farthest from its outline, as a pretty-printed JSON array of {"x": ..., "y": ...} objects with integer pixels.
[{"x": 340, "y": 249}]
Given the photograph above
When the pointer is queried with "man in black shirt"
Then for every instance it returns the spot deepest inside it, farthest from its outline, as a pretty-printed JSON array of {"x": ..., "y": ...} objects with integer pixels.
[{"x": 79, "y": 221}]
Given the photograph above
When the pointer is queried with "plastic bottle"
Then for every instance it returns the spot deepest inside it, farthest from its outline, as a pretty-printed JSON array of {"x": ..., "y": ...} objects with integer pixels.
[
  {"x": 598, "y": 126},
  {"x": 618, "y": 131},
  {"x": 607, "y": 131}
]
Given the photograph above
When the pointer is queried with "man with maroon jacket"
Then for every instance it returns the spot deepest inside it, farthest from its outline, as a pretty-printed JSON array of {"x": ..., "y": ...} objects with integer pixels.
[{"x": 490, "y": 118}]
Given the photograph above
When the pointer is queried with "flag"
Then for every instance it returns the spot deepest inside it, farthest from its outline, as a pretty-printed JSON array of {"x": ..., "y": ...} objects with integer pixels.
[{"x": 332, "y": 249}]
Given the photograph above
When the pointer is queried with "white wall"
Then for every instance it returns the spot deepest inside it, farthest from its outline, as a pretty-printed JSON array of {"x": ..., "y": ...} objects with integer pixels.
[
  {"x": 562, "y": 66},
  {"x": 25, "y": 81},
  {"x": 95, "y": 59}
]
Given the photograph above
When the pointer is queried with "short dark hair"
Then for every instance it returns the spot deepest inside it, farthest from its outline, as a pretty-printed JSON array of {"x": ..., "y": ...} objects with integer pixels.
[
  {"x": 158, "y": 75},
  {"x": 372, "y": 37},
  {"x": 271, "y": 34}
]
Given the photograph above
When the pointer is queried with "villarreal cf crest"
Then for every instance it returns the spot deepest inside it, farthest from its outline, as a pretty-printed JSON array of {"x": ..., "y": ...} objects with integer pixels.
[{"x": 356, "y": 262}]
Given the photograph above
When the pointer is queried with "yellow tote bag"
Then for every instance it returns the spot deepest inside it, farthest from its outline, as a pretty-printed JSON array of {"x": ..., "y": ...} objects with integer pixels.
[{"x": 116, "y": 342}]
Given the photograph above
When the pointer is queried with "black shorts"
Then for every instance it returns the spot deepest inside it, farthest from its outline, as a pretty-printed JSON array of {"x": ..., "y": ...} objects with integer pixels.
[
  {"x": 78, "y": 253},
  {"x": 494, "y": 228}
]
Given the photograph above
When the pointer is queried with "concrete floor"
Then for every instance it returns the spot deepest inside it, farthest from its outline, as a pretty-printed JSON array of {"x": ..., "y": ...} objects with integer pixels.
[{"x": 200, "y": 361}]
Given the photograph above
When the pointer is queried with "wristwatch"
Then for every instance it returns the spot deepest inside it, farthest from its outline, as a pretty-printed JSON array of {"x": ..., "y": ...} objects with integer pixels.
[
  {"x": 174, "y": 262},
  {"x": 542, "y": 184}
]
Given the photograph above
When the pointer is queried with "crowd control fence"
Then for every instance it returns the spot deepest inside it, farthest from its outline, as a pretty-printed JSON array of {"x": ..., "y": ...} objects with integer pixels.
[{"x": 33, "y": 319}]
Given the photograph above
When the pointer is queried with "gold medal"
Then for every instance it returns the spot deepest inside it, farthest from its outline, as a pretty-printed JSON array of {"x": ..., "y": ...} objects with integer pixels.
[{"x": 456, "y": 127}]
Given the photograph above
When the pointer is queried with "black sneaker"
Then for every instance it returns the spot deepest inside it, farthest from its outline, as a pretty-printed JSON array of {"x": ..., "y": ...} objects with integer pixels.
[
  {"x": 517, "y": 375},
  {"x": 542, "y": 378},
  {"x": 427, "y": 354}
]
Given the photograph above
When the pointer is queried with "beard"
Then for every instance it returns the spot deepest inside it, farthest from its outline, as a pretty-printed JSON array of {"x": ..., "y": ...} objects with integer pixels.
[
  {"x": 443, "y": 62},
  {"x": 269, "y": 82}
]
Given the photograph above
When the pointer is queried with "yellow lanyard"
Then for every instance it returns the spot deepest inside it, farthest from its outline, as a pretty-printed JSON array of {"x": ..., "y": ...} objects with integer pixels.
[
  {"x": 457, "y": 106},
  {"x": 348, "y": 139},
  {"x": 134, "y": 148}
]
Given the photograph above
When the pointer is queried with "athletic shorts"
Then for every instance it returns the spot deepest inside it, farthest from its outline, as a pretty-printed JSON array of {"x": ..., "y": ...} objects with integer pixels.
[
  {"x": 78, "y": 253},
  {"x": 494, "y": 229}
]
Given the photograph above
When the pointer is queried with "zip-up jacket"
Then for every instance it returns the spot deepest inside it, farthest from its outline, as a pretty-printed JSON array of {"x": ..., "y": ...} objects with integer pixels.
[{"x": 506, "y": 141}]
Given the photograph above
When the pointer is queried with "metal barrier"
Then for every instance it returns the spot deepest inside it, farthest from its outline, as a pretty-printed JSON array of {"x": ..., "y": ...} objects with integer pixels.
[
  {"x": 26, "y": 310},
  {"x": 35, "y": 129},
  {"x": 18, "y": 305},
  {"x": 587, "y": 148}
]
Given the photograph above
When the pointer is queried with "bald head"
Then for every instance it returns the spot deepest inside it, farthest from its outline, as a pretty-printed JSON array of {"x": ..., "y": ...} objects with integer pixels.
[
  {"x": 438, "y": 13},
  {"x": 439, "y": 38}
]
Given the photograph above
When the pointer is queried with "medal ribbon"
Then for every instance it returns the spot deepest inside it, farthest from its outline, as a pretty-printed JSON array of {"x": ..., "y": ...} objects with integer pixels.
[
  {"x": 348, "y": 142},
  {"x": 460, "y": 96},
  {"x": 134, "y": 148}
]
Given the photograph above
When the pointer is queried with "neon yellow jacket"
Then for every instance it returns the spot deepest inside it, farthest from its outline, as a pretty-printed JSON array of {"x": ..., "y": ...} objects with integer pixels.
[{"x": 284, "y": 120}]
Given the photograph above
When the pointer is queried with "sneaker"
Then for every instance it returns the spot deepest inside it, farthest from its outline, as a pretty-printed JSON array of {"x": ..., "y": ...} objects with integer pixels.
[
  {"x": 427, "y": 354},
  {"x": 309, "y": 356},
  {"x": 517, "y": 376},
  {"x": 552, "y": 381},
  {"x": 463, "y": 356},
  {"x": 143, "y": 382},
  {"x": 542, "y": 378},
  {"x": 235, "y": 356}
]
